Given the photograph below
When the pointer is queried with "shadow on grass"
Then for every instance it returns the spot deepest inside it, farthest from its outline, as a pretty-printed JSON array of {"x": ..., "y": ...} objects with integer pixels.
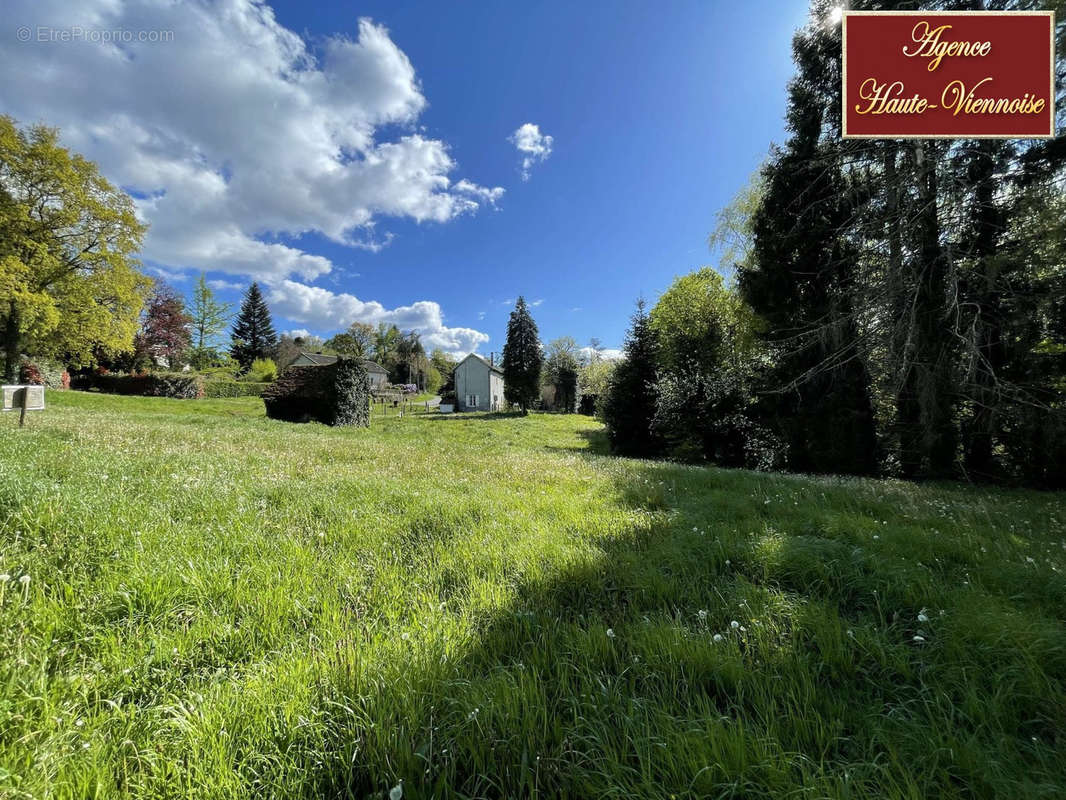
[
  {"x": 596, "y": 439},
  {"x": 725, "y": 643},
  {"x": 474, "y": 416}
]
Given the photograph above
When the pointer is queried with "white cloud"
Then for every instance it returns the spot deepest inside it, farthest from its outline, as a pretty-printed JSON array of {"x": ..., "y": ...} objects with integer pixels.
[
  {"x": 331, "y": 310},
  {"x": 298, "y": 333},
  {"x": 220, "y": 285},
  {"x": 606, "y": 353},
  {"x": 235, "y": 131},
  {"x": 536, "y": 303},
  {"x": 534, "y": 146}
]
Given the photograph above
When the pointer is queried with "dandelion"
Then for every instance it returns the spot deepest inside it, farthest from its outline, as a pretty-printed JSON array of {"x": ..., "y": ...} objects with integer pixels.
[
  {"x": 919, "y": 638},
  {"x": 734, "y": 624},
  {"x": 610, "y": 633},
  {"x": 922, "y": 616},
  {"x": 702, "y": 615},
  {"x": 718, "y": 637},
  {"x": 25, "y": 580},
  {"x": 405, "y": 636},
  {"x": 396, "y": 792},
  {"x": 5, "y": 578}
]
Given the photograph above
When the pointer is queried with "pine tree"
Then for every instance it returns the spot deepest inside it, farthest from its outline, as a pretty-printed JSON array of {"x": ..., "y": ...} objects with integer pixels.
[
  {"x": 253, "y": 332},
  {"x": 522, "y": 358},
  {"x": 629, "y": 409}
]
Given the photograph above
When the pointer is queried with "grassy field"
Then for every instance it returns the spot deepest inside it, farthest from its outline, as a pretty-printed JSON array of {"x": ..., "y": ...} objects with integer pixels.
[{"x": 223, "y": 606}]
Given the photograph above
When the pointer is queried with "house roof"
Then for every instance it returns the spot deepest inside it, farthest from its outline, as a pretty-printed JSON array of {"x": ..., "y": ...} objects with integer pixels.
[
  {"x": 321, "y": 360},
  {"x": 492, "y": 367}
]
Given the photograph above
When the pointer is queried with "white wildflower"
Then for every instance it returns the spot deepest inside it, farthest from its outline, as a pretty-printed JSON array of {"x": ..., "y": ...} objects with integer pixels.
[
  {"x": 919, "y": 638},
  {"x": 702, "y": 615},
  {"x": 718, "y": 637},
  {"x": 922, "y": 616},
  {"x": 610, "y": 633},
  {"x": 734, "y": 624},
  {"x": 396, "y": 792}
]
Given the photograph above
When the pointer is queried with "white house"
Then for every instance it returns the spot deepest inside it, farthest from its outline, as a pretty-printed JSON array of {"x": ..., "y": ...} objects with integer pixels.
[
  {"x": 478, "y": 385},
  {"x": 379, "y": 376}
]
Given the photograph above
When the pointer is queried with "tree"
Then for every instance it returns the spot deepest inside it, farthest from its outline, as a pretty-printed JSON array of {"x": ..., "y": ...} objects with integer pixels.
[
  {"x": 253, "y": 332},
  {"x": 800, "y": 278},
  {"x": 560, "y": 372},
  {"x": 629, "y": 408},
  {"x": 69, "y": 284},
  {"x": 208, "y": 318},
  {"x": 357, "y": 341},
  {"x": 164, "y": 337},
  {"x": 701, "y": 325},
  {"x": 707, "y": 357},
  {"x": 522, "y": 358},
  {"x": 385, "y": 340}
]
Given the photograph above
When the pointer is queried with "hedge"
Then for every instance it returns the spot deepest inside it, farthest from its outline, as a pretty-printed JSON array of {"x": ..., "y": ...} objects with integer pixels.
[
  {"x": 153, "y": 384},
  {"x": 334, "y": 394},
  {"x": 221, "y": 388}
]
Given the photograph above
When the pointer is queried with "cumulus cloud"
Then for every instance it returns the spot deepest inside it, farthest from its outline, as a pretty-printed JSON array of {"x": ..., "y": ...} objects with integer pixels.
[
  {"x": 324, "y": 309},
  {"x": 298, "y": 333},
  {"x": 532, "y": 144},
  {"x": 237, "y": 137},
  {"x": 234, "y": 131},
  {"x": 605, "y": 353}
]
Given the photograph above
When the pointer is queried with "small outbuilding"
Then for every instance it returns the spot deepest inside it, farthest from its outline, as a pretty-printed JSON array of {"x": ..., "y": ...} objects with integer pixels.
[{"x": 478, "y": 384}]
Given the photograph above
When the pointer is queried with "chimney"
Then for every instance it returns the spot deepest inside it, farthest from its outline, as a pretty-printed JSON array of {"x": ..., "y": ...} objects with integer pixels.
[{"x": 492, "y": 359}]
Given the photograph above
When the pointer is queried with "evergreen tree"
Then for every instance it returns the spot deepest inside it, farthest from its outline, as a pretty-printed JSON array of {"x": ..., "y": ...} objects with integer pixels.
[
  {"x": 253, "y": 331},
  {"x": 629, "y": 409},
  {"x": 522, "y": 358},
  {"x": 800, "y": 280}
]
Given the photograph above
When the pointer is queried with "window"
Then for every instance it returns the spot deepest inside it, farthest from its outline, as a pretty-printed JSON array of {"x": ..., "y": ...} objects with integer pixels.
[{"x": 471, "y": 401}]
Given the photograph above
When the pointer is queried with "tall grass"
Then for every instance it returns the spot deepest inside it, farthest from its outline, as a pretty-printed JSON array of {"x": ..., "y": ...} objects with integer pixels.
[{"x": 224, "y": 606}]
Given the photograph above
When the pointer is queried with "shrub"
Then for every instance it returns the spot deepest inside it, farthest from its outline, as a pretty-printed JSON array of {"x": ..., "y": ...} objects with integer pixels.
[
  {"x": 154, "y": 384},
  {"x": 709, "y": 418},
  {"x": 44, "y": 373},
  {"x": 232, "y": 388},
  {"x": 262, "y": 370},
  {"x": 334, "y": 394}
]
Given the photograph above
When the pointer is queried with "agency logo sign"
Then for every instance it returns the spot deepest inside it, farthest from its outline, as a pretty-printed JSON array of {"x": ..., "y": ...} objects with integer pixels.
[{"x": 947, "y": 75}]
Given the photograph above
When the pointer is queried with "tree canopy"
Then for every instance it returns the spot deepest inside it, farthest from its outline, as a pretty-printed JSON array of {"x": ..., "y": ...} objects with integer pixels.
[
  {"x": 69, "y": 283},
  {"x": 253, "y": 331},
  {"x": 522, "y": 358}
]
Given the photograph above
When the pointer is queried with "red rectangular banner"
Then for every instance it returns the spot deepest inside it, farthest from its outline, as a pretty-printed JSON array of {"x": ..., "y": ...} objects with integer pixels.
[{"x": 948, "y": 75}]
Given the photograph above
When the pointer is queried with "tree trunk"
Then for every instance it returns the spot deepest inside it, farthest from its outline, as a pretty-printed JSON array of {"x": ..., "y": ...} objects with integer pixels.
[{"x": 11, "y": 343}]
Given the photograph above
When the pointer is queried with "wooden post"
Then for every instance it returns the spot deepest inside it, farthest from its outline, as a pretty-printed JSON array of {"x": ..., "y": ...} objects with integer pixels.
[{"x": 25, "y": 400}]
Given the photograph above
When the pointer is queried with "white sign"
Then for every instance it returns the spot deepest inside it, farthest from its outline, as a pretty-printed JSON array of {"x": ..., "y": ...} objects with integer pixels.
[{"x": 17, "y": 398}]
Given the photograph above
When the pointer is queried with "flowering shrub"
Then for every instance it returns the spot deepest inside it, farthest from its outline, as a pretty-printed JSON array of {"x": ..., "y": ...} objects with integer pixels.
[
  {"x": 44, "y": 373},
  {"x": 410, "y": 388}
]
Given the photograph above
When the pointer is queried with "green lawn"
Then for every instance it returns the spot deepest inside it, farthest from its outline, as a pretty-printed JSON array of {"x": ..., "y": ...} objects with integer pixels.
[{"x": 224, "y": 606}]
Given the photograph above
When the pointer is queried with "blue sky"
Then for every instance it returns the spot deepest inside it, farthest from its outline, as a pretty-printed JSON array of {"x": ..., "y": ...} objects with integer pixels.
[{"x": 657, "y": 114}]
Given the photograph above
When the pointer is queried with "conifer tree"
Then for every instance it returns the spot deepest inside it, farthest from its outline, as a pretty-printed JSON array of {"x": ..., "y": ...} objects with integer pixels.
[
  {"x": 522, "y": 358},
  {"x": 629, "y": 409},
  {"x": 253, "y": 331}
]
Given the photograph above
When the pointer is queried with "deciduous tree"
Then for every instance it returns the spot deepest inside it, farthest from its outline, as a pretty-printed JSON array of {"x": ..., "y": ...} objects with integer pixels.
[{"x": 69, "y": 284}]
